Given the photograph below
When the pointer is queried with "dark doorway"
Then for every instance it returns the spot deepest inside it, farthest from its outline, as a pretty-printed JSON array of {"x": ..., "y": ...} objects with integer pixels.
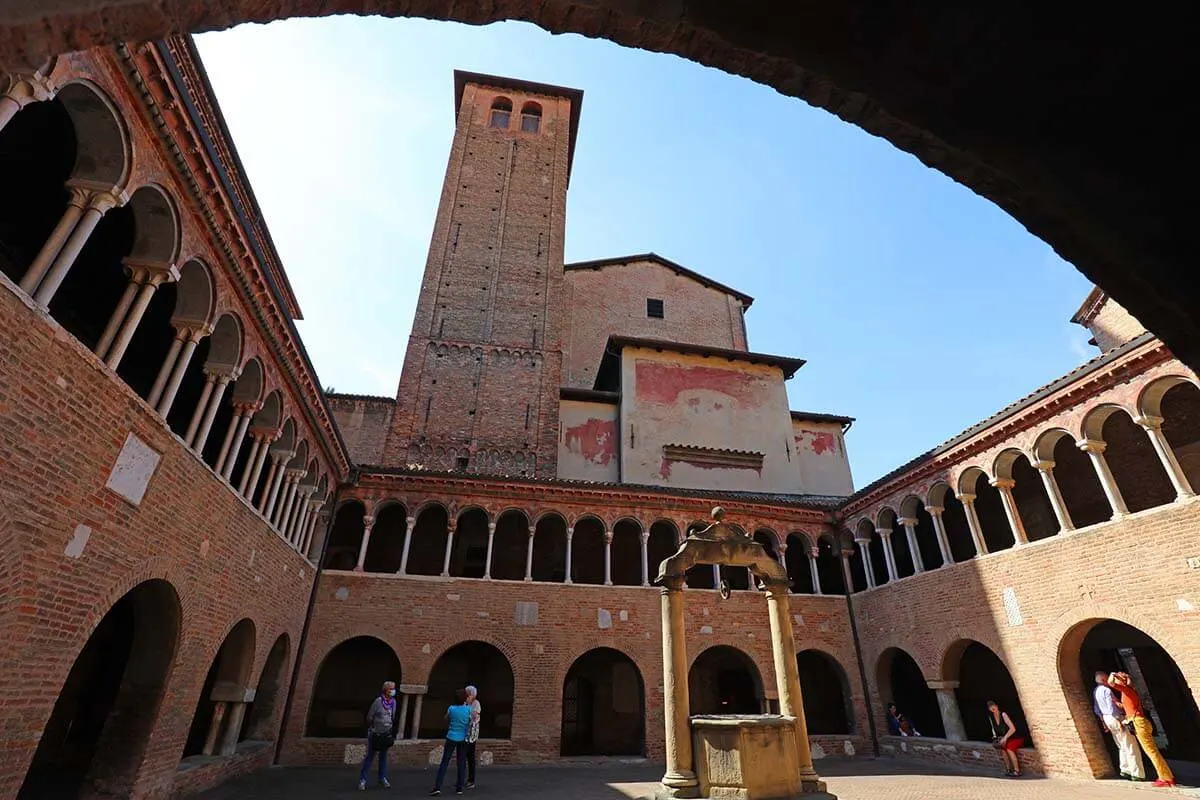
[
  {"x": 105, "y": 712},
  {"x": 724, "y": 680},
  {"x": 981, "y": 677},
  {"x": 348, "y": 681},
  {"x": 475, "y": 664},
  {"x": 824, "y": 687},
  {"x": 604, "y": 706},
  {"x": 901, "y": 682}
]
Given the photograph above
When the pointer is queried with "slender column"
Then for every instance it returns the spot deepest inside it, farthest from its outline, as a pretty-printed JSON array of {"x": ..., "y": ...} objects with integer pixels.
[
  {"x": 266, "y": 505},
  {"x": 99, "y": 204},
  {"x": 910, "y": 535},
  {"x": 812, "y": 568},
  {"x": 787, "y": 675},
  {"x": 404, "y": 715},
  {"x": 287, "y": 492},
  {"x": 847, "y": 575},
  {"x": 885, "y": 536},
  {"x": 25, "y": 89},
  {"x": 608, "y": 537},
  {"x": 416, "y": 722},
  {"x": 210, "y": 383},
  {"x": 968, "y": 501},
  {"x": 939, "y": 529},
  {"x": 295, "y": 506},
  {"x": 210, "y": 414},
  {"x": 1005, "y": 485},
  {"x": 1153, "y": 428},
  {"x": 172, "y": 388},
  {"x": 948, "y": 705},
  {"x": 487, "y": 567},
  {"x": 58, "y": 237},
  {"x": 305, "y": 506},
  {"x": 292, "y": 482},
  {"x": 1095, "y": 450},
  {"x": 449, "y": 550},
  {"x": 368, "y": 524},
  {"x": 781, "y": 555},
  {"x": 233, "y": 441},
  {"x": 233, "y": 728},
  {"x": 313, "y": 520},
  {"x": 164, "y": 372},
  {"x": 864, "y": 548},
  {"x": 679, "y": 780},
  {"x": 148, "y": 278},
  {"x": 645, "y": 558},
  {"x": 214, "y": 728},
  {"x": 257, "y": 444},
  {"x": 265, "y": 440},
  {"x": 118, "y": 316},
  {"x": 410, "y": 523},
  {"x": 529, "y": 555},
  {"x": 570, "y": 535},
  {"x": 716, "y": 568},
  {"x": 1046, "y": 471}
]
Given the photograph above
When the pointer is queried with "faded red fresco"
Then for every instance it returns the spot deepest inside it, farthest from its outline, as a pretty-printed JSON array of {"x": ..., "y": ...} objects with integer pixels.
[
  {"x": 663, "y": 383},
  {"x": 664, "y": 468},
  {"x": 819, "y": 442},
  {"x": 595, "y": 440}
]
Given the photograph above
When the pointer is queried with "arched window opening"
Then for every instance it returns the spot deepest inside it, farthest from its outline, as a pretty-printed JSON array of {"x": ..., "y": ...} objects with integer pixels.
[
  {"x": 767, "y": 539},
  {"x": 899, "y": 539},
  {"x": 989, "y": 507},
  {"x": 603, "y": 706},
  {"x": 475, "y": 664},
  {"x": 925, "y": 534},
  {"x": 468, "y": 554},
  {"x": 550, "y": 549},
  {"x": 900, "y": 681},
  {"x": 1139, "y": 473},
  {"x": 531, "y": 117},
  {"x": 664, "y": 541},
  {"x": 268, "y": 418},
  {"x": 879, "y": 567},
  {"x": 386, "y": 546},
  {"x": 1033, "y": 504},
  {"x": 1113, "y": 646},
  {"x": 501, "y": 113},
  {"x": 247, "y": 389},
  {"x": 796, "y": 562},
  {"x": 627, "y": 553},
  {"x": 724, "y": 680},
  {"x": 826, "y": 693},
  {"x": 829, "y": 567},
  {"x": 1080, "y": 486},
  {"x": 348, "y": 681},
  {"x": 228, "y": 679},
  {"x": 346, "y": 537},
  {"x": 510, "y": 546},
  {"x": 262, "y": 715},
  {"x": 1180, "y": 412},
  {"x": 587, "y": 551},
  {"x": 858, "y": 570},
  {"x": 981, "y": 677},
  {"x": 958, "y": 529},
  {"x": 91, "y": 290},
  {"x": 106, "y": 709},
  {"x": 738, "y": 578},
  {"x": 427, "y": 552}
]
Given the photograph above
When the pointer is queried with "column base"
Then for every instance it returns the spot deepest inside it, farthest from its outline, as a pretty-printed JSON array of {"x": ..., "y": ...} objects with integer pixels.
[{"x": 682, "y": 783}]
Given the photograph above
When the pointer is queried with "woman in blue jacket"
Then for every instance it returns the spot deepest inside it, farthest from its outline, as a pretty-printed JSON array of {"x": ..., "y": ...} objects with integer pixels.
[{"x": 458, "y": 722}]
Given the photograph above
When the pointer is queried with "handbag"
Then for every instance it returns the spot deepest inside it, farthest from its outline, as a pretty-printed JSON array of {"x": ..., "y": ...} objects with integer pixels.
[
  {"x": 382, "y": 741},
  {"x": 997, "y": 743}
]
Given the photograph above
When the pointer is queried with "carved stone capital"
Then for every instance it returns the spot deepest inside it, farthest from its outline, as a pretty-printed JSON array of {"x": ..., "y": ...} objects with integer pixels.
[
  {"x": 1149, "y": 422},
  {"x": 935, "y": 511},
  {"x": 1092, "y": 445},
  {"x": 908, "y": 522},
  {"x": 1002, "y": 483},
  {"x": 1045, "y": 465}
]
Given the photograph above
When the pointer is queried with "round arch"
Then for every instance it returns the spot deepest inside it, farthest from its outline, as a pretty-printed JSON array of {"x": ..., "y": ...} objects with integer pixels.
[
  {"x": 725, "y": 680},
  {"x": 103, "y": 154},
  {"x": 228, "y": 680},
  {"x": 478, "y": 664},
  {"x": 603, "y": 706},
  {"x": 262, "y": 717},
  {"x": 826, "y": 691},
  {"x": 899, "y": 680},
  {"x": 982, "y": 676},
  {"x": 347, "y": 681}
]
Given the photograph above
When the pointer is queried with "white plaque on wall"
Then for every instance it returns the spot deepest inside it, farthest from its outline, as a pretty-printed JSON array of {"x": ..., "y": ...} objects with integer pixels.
[{"x": 134, "y": 468}]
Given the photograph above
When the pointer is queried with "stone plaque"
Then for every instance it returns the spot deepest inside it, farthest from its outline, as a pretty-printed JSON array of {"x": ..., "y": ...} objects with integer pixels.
[{"x": 134, "y": 468}]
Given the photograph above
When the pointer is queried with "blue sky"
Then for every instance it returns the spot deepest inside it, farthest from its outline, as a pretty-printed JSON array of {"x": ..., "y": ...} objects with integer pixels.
[{"x": 919, "y": 306}]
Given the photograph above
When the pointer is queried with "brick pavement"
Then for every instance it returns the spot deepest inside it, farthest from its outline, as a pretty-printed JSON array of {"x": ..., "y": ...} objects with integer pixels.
[{"x": 635, "y": 779}]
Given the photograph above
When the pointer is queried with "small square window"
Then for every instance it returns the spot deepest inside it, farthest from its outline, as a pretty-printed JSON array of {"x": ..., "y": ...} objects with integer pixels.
[
  {"x": 460, "y": 463},
  {"x": 654, "y": 308},
  {"x": 530, "y": 123},
  {"x": 499, "y": 119}
]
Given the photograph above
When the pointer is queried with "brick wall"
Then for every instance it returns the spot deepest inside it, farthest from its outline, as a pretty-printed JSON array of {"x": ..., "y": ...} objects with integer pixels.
[
  {"x": 1113, "y": 326},
  {"x": 364, "y": 423}
]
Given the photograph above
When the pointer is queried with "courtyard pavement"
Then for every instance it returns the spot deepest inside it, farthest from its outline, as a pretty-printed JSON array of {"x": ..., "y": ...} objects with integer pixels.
[{"x": 878, "y": 779}]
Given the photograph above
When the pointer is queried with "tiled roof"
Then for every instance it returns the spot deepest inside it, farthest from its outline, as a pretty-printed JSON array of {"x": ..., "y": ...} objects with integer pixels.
[{"x": 373, "y": 398}]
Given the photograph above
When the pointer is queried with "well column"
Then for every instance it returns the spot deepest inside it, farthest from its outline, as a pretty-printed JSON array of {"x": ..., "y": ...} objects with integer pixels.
[{"x": 680, "y": 777}]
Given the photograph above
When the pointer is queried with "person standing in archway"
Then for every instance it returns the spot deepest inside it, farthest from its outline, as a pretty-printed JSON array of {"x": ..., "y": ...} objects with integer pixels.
[
  {"x": 381, "y": 734},
  {"x": 1111, "y": 715},
  {"x": 1135, "y": 716},
  {"x": 458, "y": 721},
  {"x": 1005, "y": 738},
  {"x": 472, "y": 732}
]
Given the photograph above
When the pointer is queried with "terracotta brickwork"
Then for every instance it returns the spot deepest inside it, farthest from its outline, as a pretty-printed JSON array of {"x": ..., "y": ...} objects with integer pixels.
[{"x": 365, "y": 423}]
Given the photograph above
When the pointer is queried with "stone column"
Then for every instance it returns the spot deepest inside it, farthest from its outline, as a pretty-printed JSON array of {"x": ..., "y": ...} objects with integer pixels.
[
  {"x": 529, "y": 554},
  {"x": 257, "y": 443},
  {"x": 181, "y": 365},
  {"x": 274, "y": 481},
  {"x": 968, "y": 501},
  {"x": 292, "y": 517},
  {"x": 910, "y": 536},
  {"x": 147, "y": 278},
  {"x": 847, "y": 575},
  {"x": 948, "y": 705},
  {"x": 1046, "y": 471},
  {"x": 608, "y": 537},
  {"x": 264, "y": 439},
  {"x": 716, "y": 568},
  {"x": 26, "y": 88},
  {"x": 812, "y": 568},
  {"x": 939, "y": 529},
  {"x": 1095, "y": 450},
  {"x": 787, "y": 676},
  {"x": 98, "y": 205},
  {"x": 368, "y": 524},
  {"x": 679, "y": 780},
  {"x": 214, "y": 728},
  {"x": 164, "y": 372},
  {"x": 449, "y": 551},
  {"x": 864, "y": 548},
  {"x": 118, "y": 316},
  {"x": 58, "y": 237},
  {"x": 889, "y": 557},
  {"x": 409, "y": 524},
  {"x": 314, "y": 519},
  {"x": 212, "y": 379},
  {"x": 416, "y": 721},
  {"x": 233, "y": 728},
  {"x": 1153, "y": 428},
  {"x": 300, "y": 516},
  {"x": 645, "y": 558},
  {"x": 487, "y": 567},
  {"x": 403, "y": 726},
  {"x": 210, "y": 413},
  {"x": 570, "y": 535},
  {"x": 232, "y": 445},
  {"x": 1005, "y": 485},
  {"x": 292, "y": 482}
]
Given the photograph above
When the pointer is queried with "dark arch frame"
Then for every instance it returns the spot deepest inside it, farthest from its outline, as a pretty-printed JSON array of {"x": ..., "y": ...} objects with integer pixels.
[
  {"x": 497, "y": 693},
  {"x": 577, "y": 731},
  {"x": 360, "y": 686}
]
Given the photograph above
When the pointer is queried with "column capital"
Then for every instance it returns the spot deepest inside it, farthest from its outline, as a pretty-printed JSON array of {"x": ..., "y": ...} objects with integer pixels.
[
  {"x": 1043, "y": 465},
  {"x": 368, "y": 522},
  {"x": 491, "y": 527},
  {"x": 908, "y": 522},
  {"x": 608, "y": 537},
  {"x": 966, "y": 498},
  {"x": 532, "y": 531},
  {"x": 884, "y": 533},
  {"x": 1002, "y": 483},
  {"x": 814, "y": 552},
  {"x": 570, "y": 531},
  {"x": 645, "y": 536},
  {"x": 246, "y": 409},
  {"x": 863, "y": 543},
  {"x": 30, "y": 87},
  {"x": 220, "y": 373},
  {"x": 847, "y": 554},
  {"x": 296, "y": 473},
  {"x": 935, "y": 511},
  {"x": 782, "y": 547},
  {"x": 410, "y": 523},
  {"x": 107, "y": 200},
  {"x": 1092, "y": 445},
  {"x": 672, "y": 584},
  {"x": 946, "y": 685},
  {"x": 1149, "y": 422},
  {"x": 264, "y": 434},
  {"x": 144, "y": 271}
]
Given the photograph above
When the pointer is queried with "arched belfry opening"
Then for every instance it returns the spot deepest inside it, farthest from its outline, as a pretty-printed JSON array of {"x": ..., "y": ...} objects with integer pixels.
[{"x": 603, "y": 706}]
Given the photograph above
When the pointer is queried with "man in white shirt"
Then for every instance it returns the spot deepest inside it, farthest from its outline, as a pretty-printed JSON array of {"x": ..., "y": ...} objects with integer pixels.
[
  {"x": 1112, "y": 717},
  {"x": 472, "y": 733}
]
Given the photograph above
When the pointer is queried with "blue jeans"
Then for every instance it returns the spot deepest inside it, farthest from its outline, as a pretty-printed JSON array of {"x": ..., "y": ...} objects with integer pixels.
[
  {"x": 459, "y": 751},
  {"x": 366, "y": 765}
]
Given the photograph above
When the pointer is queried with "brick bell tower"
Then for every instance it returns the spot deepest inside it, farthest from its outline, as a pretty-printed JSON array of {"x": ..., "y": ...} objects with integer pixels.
[{"x": 480, "y": 387}]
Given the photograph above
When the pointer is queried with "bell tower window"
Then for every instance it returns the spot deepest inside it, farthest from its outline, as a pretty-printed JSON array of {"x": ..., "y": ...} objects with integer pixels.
[
  {"x": 501, "y": 113},
  {"x": 531, "y": 118}
]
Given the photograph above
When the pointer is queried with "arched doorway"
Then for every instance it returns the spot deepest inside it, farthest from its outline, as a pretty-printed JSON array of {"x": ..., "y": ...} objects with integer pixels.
[
  {"x": 221, "y": 707},
  {"x": 347, "y": 682},
  {"x": 345, "y": 539},
  {"x": 724, "y": 680},
  {"x": 107, "y": 707},
  {"x": 981, "y": 677},
  {"x": 603, "y": 706},
  {"x": 826, "y": 693},
  {"x": 477, "y": 664},
  {"x": 901, "y": 681},
  {"x": 1111, "y": 645},
  {"x": 261, "y": 717}
]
